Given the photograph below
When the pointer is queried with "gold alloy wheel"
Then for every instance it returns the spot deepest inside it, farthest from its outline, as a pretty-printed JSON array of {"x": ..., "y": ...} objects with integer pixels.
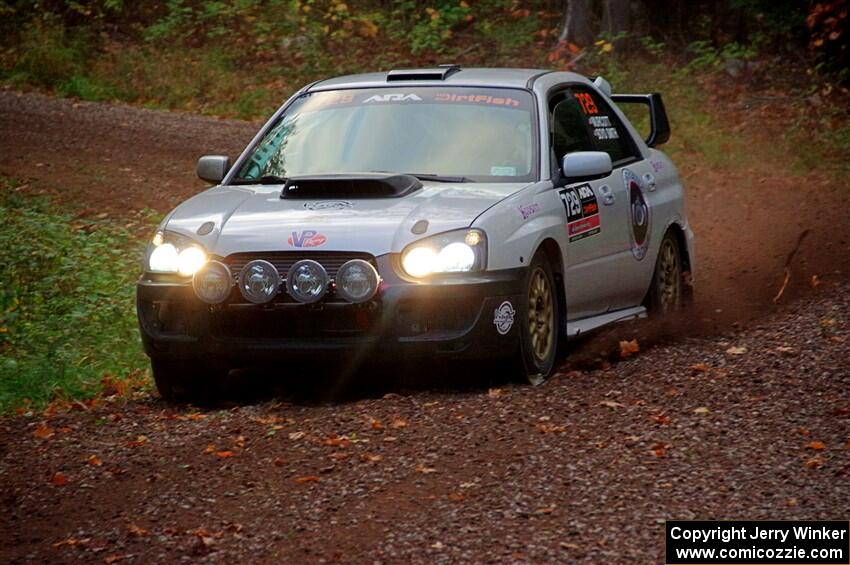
[
  {"x": 668, "y": 277},
  {"x": 541, "y": 314}
]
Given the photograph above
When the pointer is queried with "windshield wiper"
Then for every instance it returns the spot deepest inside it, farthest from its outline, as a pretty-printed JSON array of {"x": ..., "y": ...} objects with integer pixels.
[
  {"x": 438, "y": 178},
  {"x": 265, "y": 179}
]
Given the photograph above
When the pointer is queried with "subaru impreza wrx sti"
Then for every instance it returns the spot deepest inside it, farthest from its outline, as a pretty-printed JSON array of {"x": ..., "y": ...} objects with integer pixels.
[{"x": 445, "y": 212}]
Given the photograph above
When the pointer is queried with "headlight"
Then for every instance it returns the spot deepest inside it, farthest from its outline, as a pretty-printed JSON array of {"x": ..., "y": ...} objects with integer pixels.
[
  {"x": 173, "y": 253},
  {"x": 451, "y": 252}
]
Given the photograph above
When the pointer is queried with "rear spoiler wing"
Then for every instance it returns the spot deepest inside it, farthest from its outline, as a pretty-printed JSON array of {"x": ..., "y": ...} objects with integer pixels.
[{"x": 659, "y": 126}]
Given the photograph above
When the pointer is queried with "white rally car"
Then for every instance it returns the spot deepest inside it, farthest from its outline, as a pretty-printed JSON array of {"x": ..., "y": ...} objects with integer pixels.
[{"x": 467, "y": 213}]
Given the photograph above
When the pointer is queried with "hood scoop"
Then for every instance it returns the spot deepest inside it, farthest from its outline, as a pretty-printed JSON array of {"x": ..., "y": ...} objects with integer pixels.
[{"x": 357, "y": 185}]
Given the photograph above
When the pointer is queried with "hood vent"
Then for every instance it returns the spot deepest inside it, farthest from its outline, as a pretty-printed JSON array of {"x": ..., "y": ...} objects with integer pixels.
[
  {"x": 364, "y": 185},
  {"x": 440, "y": 73}
]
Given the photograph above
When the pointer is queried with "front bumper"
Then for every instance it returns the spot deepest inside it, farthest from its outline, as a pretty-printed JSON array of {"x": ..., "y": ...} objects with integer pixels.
[{"x": 453, "y": 317}]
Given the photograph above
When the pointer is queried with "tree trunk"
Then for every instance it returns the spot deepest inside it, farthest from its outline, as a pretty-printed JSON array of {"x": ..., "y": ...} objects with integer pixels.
[
  {"x": 576, "y": 27},
  {"x": 616, "y": 16}
]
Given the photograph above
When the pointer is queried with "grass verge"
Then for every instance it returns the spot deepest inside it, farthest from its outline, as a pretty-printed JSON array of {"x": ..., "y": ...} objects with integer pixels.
[{"x": 67, "y": 317}]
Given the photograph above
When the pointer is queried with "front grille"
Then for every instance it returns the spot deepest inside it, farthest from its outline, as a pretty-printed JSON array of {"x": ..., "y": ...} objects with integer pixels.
[{"x": 282, "y": 260}]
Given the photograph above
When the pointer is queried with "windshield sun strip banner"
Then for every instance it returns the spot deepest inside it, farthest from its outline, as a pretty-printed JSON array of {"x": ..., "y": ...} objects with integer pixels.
[{"x": 507, "y": 98}]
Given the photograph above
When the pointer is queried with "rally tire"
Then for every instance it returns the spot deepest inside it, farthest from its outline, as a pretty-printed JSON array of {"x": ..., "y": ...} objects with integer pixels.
[
  {"x": 192, "y": 381},
  {"x": 668, "y": 292},
  {"x": 539, "y": 323}
]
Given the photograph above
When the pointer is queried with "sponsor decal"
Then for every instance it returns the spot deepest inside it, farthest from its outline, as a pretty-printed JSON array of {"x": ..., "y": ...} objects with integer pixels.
[
  {"x": 503, "y": 317},
  {"x": 582, "y": 211},
  {"x": 476, "y": 99},
  {"x": 328, "y": 205},
  {"x": 640, "y": 214},
  {"x": 497, "y": 171},
  {"x": 393, "y": 97},
  {"x": 306, "y": 238},
  {"x": 657, "y": 166},
  {"x": 603, "y": 128},
  {"x": 528, "y": 210}
]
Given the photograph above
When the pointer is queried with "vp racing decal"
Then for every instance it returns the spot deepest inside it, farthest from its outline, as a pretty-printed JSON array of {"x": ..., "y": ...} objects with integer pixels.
[
  {"x": 503, "y": 317},
  {"x": 640, "y": 214},
  {"x": 306, "y": 238},
  {"x": 582, "y": 211}
]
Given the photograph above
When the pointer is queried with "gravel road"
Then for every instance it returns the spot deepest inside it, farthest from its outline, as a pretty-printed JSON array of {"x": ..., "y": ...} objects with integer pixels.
[
  {"x": 739, "y": 411},
  {"x": 751, "y": 424}
]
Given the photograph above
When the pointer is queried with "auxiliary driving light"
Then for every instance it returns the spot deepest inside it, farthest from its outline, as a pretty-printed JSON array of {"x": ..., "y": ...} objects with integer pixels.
[
  {"x": 212, "y": 282},
  {"x": 259, "y": 281},
  {"x": 307, "y": 281},
  {"x": 357, "y": 281}
]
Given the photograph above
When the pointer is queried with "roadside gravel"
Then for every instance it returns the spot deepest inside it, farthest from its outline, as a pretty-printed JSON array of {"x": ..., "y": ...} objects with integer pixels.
[{"x": 751, "y": 424}]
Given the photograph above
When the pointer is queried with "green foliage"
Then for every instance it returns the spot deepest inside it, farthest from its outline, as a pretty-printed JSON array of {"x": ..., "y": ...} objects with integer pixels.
[
  {"x": 66, "y": 302},
  {"x": 48, "y": 55},
  {"x": 435, "y": 25},
  {"x": 705, "y": 55}
]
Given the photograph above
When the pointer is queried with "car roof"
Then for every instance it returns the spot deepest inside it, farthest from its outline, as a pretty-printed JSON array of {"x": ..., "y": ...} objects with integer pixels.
[{"x": 451, "y": 75}]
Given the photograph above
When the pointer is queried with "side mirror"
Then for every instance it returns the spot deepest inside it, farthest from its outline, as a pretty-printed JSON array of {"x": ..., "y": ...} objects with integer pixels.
[
  {"x": 586, "y": 164},
  {"x": 212, "y": 168}
]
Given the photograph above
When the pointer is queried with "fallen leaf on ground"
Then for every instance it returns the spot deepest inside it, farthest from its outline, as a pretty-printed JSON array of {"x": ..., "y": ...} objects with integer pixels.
[
  {"x": 816, "y": 445},
  {"x": 611, "y": 404},
  {"x": 296, "y": 435},
  {"x": 550, "y": 428},
  {"x": 337, "y": 441},
  {"x": 140, "y": 440},
  {"x": 239, "y": 441},
  {"x": 628, "y": 348},
  {"x": 827, "y": 322},
  {"x": 546, "y": 510},
  {"x": 660, "y": 419},
  {"x": 457, "y": 496},
  {"x": 307, "y": 479},
  {"x": 71, "y": 542},
  {"x": 95, "y": 460},
  {"x": 814, "y": 281},
  {"x": 114, "y": 558},
  {"x": 424, "y": 469},
  {"x": 43, "y": 431},
  {"x": 399, "y": 423},
  {"x": 660, "y": 449},
  {"x": 225, "y": 454},
  {"x": 368, "y": 457},
  {"x": 495, "y": 392},
  {"x": 137, "y": 531},
  {"x": 701, "y": 410},
  {"x": 814, "y": 462},
  {"x": 736, "y": 350},
  {"x": 700, "y": 368},
  {"x": 59, "y": 479},
  {"x": 209, "y": 449}
]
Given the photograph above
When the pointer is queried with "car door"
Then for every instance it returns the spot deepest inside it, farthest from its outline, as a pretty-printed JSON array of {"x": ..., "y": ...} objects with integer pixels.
[
  {"x": 631, "y": 185},
  {"x": 594, "y": 210}
]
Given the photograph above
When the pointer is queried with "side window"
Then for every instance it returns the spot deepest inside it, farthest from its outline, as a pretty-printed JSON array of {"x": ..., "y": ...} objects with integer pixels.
[
  {"x": 569, "y": 128},
  {"x": 606, "y": 130}
]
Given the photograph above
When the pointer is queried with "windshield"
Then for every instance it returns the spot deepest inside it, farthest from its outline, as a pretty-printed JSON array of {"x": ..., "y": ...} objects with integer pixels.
[{"x": 478, "y": 134}]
